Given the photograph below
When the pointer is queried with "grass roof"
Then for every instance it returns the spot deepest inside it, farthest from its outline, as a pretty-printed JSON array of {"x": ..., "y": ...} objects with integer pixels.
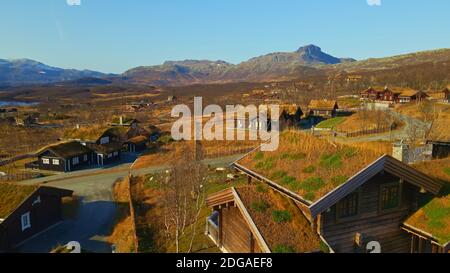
[
  {"x": 11, "y": 196},
  {"x": 434, "y": 216},
  {"x": 279, "y": 220},
  {"x": 309, "y": 166},
  {"x": 67, "y": 149},
  {"x": 440, "y": 131},
  {"x": 90, "y": 133},
  {"x": 322, "y": 104}
]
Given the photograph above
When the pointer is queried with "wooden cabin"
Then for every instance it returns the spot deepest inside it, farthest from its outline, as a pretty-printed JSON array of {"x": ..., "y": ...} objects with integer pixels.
[
  {"x": 440, "y": 96},
  {"x": 26, "y": 211},
  {"x": 64, "y": 157},
  {"x": 410, "y": 95},
  {"x": 352, "y": 198},
  {"x": 290, "y": 116},
  {"x": 439, "y": 137},
  {"x": 323, "y": 108},
  {"x": 137, "y": 144}
]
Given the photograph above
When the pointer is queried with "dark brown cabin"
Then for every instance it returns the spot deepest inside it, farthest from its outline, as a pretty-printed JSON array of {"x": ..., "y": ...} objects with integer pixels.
[
  {"x": 26, "y": 211},
  {"x": 64, "y": 157},
  {"x": 323, "y": 108}
]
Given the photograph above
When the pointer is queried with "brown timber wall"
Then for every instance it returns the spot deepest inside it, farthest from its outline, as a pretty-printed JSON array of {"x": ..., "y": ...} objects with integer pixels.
[
  {"x": 236, "y": 236},
  {"x": 375, "y": 225}
]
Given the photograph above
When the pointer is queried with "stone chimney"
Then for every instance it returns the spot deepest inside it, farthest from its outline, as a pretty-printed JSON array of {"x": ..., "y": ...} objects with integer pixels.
[{"x": 400, "y": 152}]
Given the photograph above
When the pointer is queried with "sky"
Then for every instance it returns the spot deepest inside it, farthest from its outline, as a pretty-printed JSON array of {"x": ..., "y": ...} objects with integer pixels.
[{"x": 116, "y": 35}]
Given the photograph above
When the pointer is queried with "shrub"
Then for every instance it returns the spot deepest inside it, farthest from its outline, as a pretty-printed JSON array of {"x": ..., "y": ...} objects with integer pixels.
[
  {"x": 331, "y": 161},
  {"x": 309, "y": 196},
  {"x": 338, "y": 180},
  {"x": 287, "y": 180},
  {"x": 278, "y": 175},
  {"x": 297, "y": 156},
  {"x": 259, "y": 156},
  {"x": 261, "y": 188},
  {"x": 349, "y": 152},
  {"x": 313, "y": 184},
  {"x": 266, "y": 164},
  {"x": 447, "y": 171},
  {"x": 309, "y": 169},
  {"x": 283, "y": 249},
  {"x": 260, "y": 206},
  {"x": 281, "y": 216}
]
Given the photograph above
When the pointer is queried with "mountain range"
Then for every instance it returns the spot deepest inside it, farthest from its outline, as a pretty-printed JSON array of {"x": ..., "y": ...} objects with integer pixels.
[
  {"x": 25, "y": 71},
  {"x": 307, "y": 61},
  {"x": 273, "y": 65}
]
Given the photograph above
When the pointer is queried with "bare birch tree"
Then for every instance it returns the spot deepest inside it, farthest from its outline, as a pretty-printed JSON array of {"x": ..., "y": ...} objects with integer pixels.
[{"x": 183, "y": 199}]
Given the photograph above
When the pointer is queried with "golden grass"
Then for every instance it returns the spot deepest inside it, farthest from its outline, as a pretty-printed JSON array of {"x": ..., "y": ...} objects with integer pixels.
[
  {"x": 367, "y": 120},
  {"x": 170, "y": 153},
  {"x": 12, "y": 195},
  {"x": 309, "y": 166},
  {"x": 123, "y": 233}
]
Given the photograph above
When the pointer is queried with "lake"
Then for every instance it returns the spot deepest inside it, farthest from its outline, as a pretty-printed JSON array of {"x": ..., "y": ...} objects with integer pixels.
[{"x": 16, "y": 103}]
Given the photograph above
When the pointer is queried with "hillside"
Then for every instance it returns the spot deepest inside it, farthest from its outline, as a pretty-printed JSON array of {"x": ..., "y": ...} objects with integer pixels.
[
  {"x": 270, "y": 66},
  {"x": 25, "y": 71}
]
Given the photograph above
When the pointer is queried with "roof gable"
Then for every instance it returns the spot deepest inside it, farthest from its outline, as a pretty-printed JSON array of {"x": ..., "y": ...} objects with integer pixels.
[
  {"x": 386, "y": 163},
  {"x": 66, "y": 149}
]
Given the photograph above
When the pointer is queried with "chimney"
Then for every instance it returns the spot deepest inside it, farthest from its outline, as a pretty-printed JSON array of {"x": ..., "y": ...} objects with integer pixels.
[
  {"x": 121, "y": 120},
  {"x": 400, "y": 152}
]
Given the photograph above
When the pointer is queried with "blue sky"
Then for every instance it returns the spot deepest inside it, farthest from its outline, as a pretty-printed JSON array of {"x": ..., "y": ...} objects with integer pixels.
[{"x": 115, "y": 35}]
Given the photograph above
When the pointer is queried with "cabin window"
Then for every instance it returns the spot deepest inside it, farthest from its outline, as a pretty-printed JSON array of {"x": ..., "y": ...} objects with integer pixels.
[
  {"x": 55, "y": 161},
  {"x": 25, "y": 220},
  {"x": 348, "y": 206},
  {"x": 85, "y": 158},
  {"x": 75, "y": 161},
  {"x": 389, "y": 196},
  {"x": 116, "y": 153},
  {"x": 104, "y": 140},
  {"x": 46, "y": 161},
  {"x": 110, "y": 155}
]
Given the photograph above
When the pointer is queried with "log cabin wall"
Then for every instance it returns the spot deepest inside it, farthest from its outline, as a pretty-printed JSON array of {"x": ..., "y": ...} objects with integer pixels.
[
  {"x": 371, "y": 222},
  {"x": 236, "y": 236}
]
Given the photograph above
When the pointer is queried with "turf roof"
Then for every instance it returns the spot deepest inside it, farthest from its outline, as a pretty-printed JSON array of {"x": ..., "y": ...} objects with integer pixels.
[
  {"x": 309, "y": 166},
  {"x": 434, "y": 216},
  {"x": 280, "y": 222},
  {"x": 11, "y": 196}
]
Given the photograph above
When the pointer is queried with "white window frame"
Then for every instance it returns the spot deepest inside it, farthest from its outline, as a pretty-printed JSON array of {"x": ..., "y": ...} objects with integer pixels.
[
  {"x": 55, "y": 162},
  {"x": 116, "y": 153},
  {"x": 25, "y": 220},
  {"x": 75, "y": 161},
  {"x": 85, "y": 157},
  {"x": 46, "y": 161},
  {"x": 110, "y": 155}
]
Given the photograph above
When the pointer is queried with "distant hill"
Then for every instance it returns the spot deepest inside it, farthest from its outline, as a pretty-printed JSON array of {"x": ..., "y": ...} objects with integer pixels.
[
  {"x": 25, "y": 71},
  {"x": 411, "y": 59},
  {"x": 274, "y": 65}
]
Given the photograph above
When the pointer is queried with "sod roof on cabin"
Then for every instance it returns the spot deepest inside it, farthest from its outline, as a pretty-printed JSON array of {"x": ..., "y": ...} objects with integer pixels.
[
  {"x": 322, "y": 104},
  {"x": 308, "y": 166},
  {"x": 66, "y": 149},
  {"x": 440, "y": 131},
  {"x": 280, "y": 222},
  {"x": 11, "y": 196},
  {"x": 434, "y": 217}
]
